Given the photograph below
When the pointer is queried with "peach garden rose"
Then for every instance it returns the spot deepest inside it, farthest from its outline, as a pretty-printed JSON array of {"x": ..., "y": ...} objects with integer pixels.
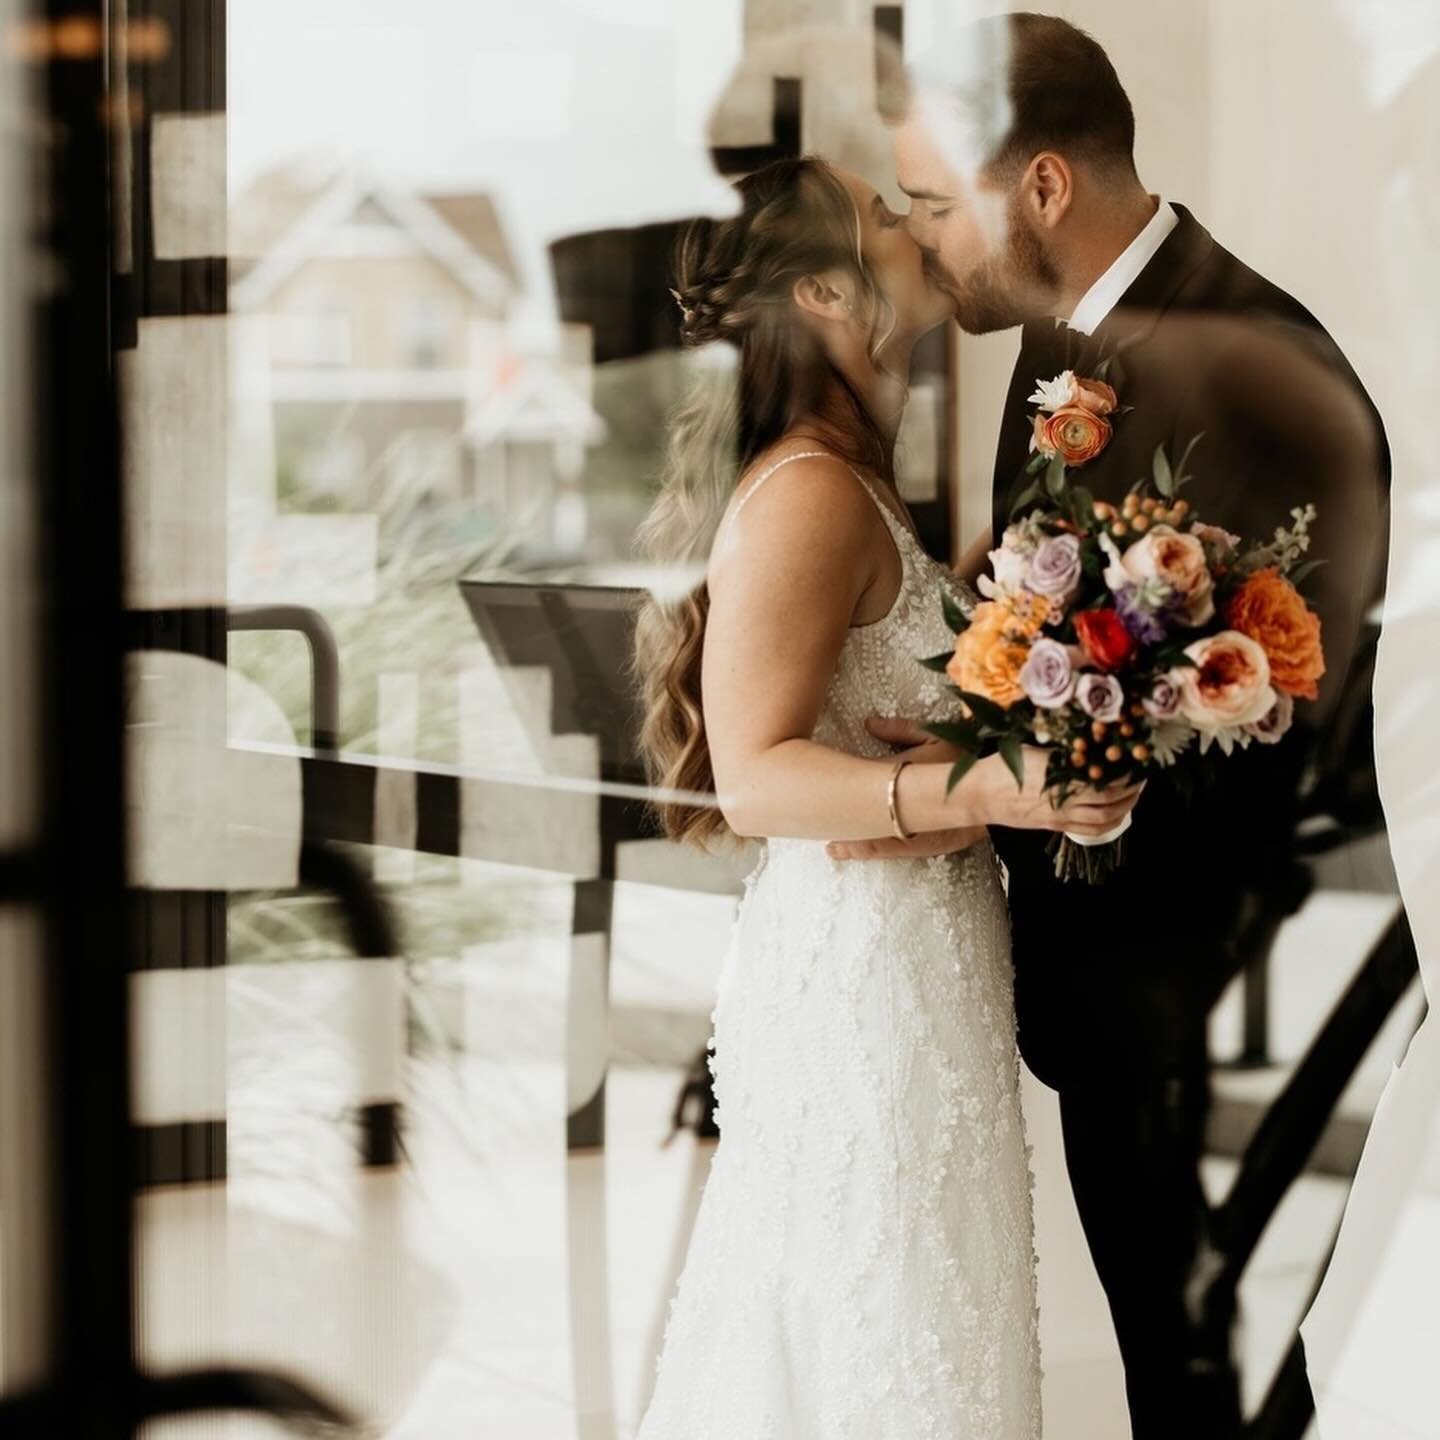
[
  {"x": 1229, "y": 683},
  {"x": 1178, "y": 561}
]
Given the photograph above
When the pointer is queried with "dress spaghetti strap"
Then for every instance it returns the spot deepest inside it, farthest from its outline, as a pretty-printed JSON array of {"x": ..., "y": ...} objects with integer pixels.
[{"x": 778, "y": 465}]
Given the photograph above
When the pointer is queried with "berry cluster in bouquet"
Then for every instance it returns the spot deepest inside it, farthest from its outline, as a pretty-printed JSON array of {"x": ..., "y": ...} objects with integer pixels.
[{"x": 1118, "y": 637}]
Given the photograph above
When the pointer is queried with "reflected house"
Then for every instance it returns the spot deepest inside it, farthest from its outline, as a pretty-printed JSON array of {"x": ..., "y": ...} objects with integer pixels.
[
  {"x": 396, "y": 380},
  {"x": 530, "y": 422}
]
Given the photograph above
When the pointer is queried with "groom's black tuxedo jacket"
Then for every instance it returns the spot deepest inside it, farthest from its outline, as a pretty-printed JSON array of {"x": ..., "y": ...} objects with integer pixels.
[{"x": 1119, "y": 977}]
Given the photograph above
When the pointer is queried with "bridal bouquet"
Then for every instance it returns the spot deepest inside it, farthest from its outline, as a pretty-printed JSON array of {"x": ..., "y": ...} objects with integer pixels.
[{"x": 1119, "y": 636}]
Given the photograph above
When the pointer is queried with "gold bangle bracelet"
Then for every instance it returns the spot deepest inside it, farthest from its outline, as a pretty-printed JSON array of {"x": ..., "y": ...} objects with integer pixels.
[{"x": 893, "y": 797}]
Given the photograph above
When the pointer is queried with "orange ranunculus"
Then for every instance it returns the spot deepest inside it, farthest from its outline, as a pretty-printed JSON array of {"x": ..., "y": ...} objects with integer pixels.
[
  {"x": 1074, "y": 433},
  {"x": 1269, "y": 609},
  {"x": 989, "y": 656}
]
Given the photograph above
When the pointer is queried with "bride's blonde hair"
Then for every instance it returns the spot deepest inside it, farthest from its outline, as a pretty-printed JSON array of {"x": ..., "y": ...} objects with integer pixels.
[{"x": 734, "y": 283}]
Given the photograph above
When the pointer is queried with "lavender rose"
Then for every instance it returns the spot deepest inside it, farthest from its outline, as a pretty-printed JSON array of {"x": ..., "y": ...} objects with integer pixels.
[
  {"x": 1047, "y": 676},
  {"x": 1100, "y": 697},
  {"x": 1163, "y": 700},
  {"x": 1272, "y": 725},
  {"x": 1055, "y": 568}
]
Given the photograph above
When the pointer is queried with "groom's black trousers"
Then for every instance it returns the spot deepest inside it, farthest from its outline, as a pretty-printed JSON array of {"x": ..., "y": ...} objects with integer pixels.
[{"x": 1133, "y": 1151}]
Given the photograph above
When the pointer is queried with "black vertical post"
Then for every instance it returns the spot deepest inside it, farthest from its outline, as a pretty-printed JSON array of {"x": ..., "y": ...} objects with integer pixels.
[
  {"x": 81, "y": 743},
  {"x": 183, "y": 929}
]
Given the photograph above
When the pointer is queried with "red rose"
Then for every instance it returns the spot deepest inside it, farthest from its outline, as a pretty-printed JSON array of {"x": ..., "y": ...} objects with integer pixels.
[{"x": 1104, "y": 638}]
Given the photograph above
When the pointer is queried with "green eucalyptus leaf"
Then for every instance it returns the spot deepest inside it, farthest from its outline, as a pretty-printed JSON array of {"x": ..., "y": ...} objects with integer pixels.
[
  {"x": 1038, "y": 461},
  {"x": 1164, "y": 476},
  {"x": 1027, "y": 496},
  {"x": 958, "y": 771},
  {"x": 1055, "y": 478},
  {"x": 1299, "y": 573},
  {"x": 939, "y": 663},
  {"x": 1181, "y": 477},
  {"x": 1014, "y": 757},
  {"x": 987, "y": 712},
  {"x": 955, "y": 617}
]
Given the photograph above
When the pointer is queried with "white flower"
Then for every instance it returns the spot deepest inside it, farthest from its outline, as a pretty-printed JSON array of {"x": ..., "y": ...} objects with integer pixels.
[
  {"x": 1228, "y": 738},
  {"x": 1169, "y": 740},
  {"x": 1116, "y": 576},
  {"x": 1055, "y": 394},
  {"x": 1010, "y": 563}
]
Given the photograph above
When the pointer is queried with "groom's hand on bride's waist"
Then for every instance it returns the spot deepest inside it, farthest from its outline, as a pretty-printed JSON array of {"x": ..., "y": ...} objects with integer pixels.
[{"x": 911, "y": 743}]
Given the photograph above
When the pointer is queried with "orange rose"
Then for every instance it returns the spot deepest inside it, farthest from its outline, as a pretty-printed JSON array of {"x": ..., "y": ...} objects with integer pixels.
[
  {"x": 1095, "y": 396},
  {"x": 1269, "y": 609},
  {"x": 989, "y": 656},
  {"x": 1073, "y": 432}
]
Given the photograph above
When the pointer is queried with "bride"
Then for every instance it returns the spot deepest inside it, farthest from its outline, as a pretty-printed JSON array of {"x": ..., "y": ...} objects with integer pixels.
[{"x": 862, "y": 1262}]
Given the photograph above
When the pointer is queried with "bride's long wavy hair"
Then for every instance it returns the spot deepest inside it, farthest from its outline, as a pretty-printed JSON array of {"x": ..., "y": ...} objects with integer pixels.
[{"x": 734, "y": 282}]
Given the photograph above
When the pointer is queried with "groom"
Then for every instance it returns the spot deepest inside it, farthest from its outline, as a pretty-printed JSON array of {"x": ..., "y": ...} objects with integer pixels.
[{"x": 1018, "y": 160}]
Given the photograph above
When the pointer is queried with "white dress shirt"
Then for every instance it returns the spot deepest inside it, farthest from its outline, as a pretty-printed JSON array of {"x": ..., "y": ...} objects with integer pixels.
[{"x": 1106, "y": 293}]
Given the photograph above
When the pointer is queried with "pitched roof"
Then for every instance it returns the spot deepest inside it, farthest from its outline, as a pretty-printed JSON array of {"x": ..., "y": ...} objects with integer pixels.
[
  {"x": 475, "y": 217},
  {"x": 270, "y": 217}
]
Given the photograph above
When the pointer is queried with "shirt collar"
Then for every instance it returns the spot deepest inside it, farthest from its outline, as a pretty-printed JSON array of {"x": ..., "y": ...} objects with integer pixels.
[{"x": 1107, "y": 292}]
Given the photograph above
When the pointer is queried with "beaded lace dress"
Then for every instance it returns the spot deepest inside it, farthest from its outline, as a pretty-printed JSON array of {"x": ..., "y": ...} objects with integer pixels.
[{"x": 862, "y": 1265}]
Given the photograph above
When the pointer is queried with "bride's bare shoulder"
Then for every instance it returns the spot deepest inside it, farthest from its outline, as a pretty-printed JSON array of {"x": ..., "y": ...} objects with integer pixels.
[{"x": 794, "y": 508}]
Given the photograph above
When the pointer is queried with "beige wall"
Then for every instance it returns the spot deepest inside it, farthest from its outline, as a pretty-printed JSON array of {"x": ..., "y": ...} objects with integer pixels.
[{"x": 376, "y": 293}]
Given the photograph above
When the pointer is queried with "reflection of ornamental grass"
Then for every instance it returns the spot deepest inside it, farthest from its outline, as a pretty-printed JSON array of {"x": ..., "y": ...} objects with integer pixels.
[
  {"x": 290, "y": 1107},
  {"x": 418, "y": 625},
  {"x": 436, "y": 913}
]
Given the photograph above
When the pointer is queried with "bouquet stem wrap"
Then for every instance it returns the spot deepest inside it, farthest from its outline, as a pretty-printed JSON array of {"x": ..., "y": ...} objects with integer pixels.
[{"x": 1089, "y": 857}]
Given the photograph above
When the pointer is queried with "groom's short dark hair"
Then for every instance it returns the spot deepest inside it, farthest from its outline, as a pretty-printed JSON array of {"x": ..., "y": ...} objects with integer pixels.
[{"x": 1025, "y": 83}]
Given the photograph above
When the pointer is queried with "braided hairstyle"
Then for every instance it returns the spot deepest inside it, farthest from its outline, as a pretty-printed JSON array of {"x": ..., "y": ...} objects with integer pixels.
[{"x": 735, "y": 280}]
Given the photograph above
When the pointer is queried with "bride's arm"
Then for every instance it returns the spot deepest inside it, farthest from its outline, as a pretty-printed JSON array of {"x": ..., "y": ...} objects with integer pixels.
[{"x": 785, "y": 581}]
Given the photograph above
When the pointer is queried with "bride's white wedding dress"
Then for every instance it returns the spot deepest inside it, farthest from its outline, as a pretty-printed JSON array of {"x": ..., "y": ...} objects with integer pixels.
[{"x": 862, "y": 1263}]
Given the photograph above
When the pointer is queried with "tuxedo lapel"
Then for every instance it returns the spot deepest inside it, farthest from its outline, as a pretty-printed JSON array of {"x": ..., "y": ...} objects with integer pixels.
[
  {"x": 1154, "y": 290},
  {"x": 1047, "y": 349},
  {"x": 1042, "y": 355}
]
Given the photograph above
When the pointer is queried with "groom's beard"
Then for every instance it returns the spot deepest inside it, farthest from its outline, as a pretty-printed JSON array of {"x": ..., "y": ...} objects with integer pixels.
[{"x": 1005, "y": 289}]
